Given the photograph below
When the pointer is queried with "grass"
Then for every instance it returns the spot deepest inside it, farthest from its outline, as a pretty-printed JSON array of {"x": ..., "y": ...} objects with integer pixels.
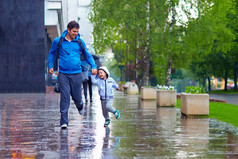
[
  {"x": 222, "y": 111},
  {"x": 229, "y": 91}
]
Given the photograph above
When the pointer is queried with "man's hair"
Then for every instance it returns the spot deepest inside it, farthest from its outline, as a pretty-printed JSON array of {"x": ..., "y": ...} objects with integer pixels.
[{"x": 73, "y": 24}]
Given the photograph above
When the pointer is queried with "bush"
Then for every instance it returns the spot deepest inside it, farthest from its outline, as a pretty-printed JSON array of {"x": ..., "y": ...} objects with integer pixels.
[{"x": 194, "y": 90}]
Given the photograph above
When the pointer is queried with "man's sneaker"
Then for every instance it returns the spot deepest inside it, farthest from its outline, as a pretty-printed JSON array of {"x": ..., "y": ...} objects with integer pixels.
[
  {"x": 81, "y": 112},
  {"x": 117, "y": 115},
  {"x": 107, "y": 122},
  {"x": 64, "y": 126}
]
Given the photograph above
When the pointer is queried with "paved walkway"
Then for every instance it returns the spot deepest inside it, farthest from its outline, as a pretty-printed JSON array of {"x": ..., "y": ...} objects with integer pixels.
[
  {"x": 29, "y": 128},
  {"x": 229, "y": 98}
]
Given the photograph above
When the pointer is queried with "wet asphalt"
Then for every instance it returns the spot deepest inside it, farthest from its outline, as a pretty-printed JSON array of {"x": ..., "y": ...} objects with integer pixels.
[{"x": 29, "y": 128}]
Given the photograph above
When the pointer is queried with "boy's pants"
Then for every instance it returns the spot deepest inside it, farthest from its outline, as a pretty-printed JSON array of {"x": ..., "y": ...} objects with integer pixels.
[
  {"x": 107, "y": 107},
  {"x": 70, "y": 84}
]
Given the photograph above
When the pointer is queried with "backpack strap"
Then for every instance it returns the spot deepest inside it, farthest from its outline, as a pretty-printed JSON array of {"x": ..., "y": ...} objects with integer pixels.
[
  {"x": 58, "y": 47},
  {"x": 56, "y": 56},
  {"x": 83, "y": 50},
  {"x": 85, "y": 57}
]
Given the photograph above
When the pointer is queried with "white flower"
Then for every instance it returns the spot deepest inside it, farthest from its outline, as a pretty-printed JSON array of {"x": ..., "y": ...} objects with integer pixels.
[{"x": 165, "y": 87}]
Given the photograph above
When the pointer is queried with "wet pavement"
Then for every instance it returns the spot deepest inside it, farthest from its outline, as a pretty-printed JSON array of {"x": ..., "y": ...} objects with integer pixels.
[{"x": 29, "y": 128}]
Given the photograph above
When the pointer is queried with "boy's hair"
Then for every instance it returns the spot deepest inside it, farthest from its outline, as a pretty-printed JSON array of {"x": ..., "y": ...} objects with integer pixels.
[{"x": 73, "y": 24}]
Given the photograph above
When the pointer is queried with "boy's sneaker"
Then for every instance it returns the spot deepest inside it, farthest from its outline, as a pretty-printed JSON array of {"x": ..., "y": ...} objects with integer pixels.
[
  {"x": 64, "y": 126},
  {"x": 81, "y": 112},
  {"x": 107, "y": 122},
  {"x": 117, "y": 115}
]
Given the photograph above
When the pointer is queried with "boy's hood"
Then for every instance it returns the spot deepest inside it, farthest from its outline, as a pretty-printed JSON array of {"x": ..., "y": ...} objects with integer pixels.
[{"x": 104, "y": 68}]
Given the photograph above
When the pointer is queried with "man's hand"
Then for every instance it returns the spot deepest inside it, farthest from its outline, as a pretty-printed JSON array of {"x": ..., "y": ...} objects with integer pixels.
[
  {"x": 51, "y": 71},
  {"x": 94, "y": 71}
]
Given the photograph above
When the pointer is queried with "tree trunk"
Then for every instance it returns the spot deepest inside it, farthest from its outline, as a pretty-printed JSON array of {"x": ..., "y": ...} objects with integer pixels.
[
  {"x": 146, "y": 68},
  {"x": 147, "y": 54},
  {"x": 204, "y": 82},
  {"x": 226, "y": 77},
  {"x": 127, "y": 61},
  {"x": 168, "y": 74},
  {"x": 235, "y": 76},
  {"x": 169, "y": 68},
  {"x": 209, "y": 83}
]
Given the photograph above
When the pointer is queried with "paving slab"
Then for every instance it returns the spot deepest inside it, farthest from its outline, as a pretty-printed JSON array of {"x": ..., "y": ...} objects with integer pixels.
[{"x": 29, "y": 128}]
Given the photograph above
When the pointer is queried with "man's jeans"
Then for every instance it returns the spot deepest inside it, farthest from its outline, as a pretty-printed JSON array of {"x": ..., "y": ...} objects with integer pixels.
[{"x": 69, "y": 85}]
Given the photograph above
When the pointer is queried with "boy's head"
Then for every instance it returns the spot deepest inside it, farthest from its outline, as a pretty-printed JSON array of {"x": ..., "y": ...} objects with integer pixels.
[{"x": 103, "y": 72}]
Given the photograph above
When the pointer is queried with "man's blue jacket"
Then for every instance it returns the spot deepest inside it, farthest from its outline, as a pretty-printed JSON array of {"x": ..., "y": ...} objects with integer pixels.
[{"x": 69, "y": 55}]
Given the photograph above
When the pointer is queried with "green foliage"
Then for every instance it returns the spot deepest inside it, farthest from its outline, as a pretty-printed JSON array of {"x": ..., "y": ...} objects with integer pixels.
[
  {"x": 148, "y": 86},
  {"x": 211, "y": 30},
  {"x": 194, "y": 90},
  {"x": 122, "y": 82}
]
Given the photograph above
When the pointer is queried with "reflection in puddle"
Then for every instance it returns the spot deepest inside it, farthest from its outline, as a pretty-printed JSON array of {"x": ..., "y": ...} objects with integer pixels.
[
  {"x": 167, "y": 117},
  {"x": 64, "y": 145},
  {"x": 232, "y": 146},
  {"x": 148, "y": 104},
  {"x": 193, "y": 138}
]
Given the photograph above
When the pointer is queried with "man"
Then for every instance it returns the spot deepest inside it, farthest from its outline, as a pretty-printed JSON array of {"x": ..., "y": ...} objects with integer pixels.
[{"x": 70, "y": 69}]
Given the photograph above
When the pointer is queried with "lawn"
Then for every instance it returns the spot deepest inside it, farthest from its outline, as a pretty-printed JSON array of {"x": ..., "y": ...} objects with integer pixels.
[{"x": 222, "y": 111}]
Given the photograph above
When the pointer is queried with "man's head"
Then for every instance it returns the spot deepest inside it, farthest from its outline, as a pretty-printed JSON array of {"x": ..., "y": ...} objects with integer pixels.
[
  {"x": 73, "y": 24},
  {"x": 73, "y": 29}
]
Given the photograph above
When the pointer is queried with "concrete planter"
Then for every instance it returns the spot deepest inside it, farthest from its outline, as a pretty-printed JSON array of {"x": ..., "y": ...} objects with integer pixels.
[
  {"x": 131, "y": 88},
  {"x": 166, "y": 97},
  {"x": 194, "y": 104},
  {"x": 148, "y": 93}
]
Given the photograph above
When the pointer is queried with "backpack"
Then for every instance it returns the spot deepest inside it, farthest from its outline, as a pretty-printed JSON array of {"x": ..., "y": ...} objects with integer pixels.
[{"x": 84, "y": 57}]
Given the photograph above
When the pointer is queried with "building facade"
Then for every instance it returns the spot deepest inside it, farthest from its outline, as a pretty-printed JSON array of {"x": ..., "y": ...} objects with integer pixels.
[
  {"x": 27, "y": 29},
  {"x": 22, "y": 46}
]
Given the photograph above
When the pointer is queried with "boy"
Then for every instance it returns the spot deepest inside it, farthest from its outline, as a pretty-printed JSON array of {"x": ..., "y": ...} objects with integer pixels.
[{"x": 105, "y": 88}]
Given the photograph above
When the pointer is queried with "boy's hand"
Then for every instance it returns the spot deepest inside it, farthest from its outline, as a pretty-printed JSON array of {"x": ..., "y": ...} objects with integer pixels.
[{"x": 94, "y": 71}]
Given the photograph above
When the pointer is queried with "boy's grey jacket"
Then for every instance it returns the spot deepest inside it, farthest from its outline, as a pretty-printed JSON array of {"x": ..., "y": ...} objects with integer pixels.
[{"x": 105, "y": 87}]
